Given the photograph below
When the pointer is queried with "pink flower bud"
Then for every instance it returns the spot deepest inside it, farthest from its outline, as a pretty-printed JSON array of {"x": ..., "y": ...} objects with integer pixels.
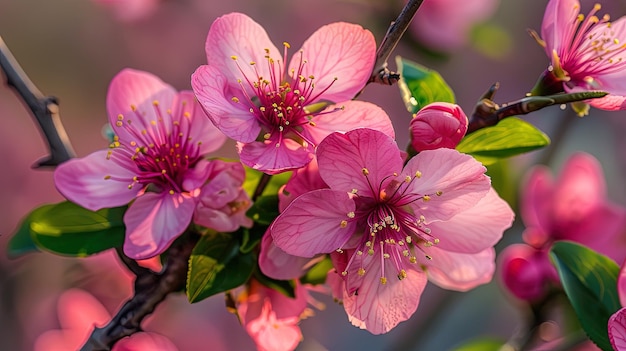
[
  {"x": 438, "y": 125},
  {"x": 526, "y": 272}
]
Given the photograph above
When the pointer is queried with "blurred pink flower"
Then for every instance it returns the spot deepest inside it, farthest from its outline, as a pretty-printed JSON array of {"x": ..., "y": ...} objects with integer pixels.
[
  {"x": 156, "y": 159},
  {"x": 438, "y": 125},
  {"x": 444, "y": 25},
  {"x": 270, "y": 317},
  {"x": 572, "y": 207},
  {"x": 278, "y": 113},
  {"x": 379, "y": 220},
  {"x": 130, "y": 10},
  {"x": 586, "y": 53},
  {"x": 79, "y": 312}
]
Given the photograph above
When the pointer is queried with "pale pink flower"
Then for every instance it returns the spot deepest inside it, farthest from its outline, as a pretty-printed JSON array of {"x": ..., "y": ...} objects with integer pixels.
[
  {"x": 157, "y": 162},
  {"x": 278, "y": 113},
  {"x": 270, "y": 317},
  {"x": 79, "y": 312},
  {"x": 586, "y": 52},
  {"x": 572, "y": 207},
  {"x": 385, "y": 222},
  {"x": 438, "y": 125}
]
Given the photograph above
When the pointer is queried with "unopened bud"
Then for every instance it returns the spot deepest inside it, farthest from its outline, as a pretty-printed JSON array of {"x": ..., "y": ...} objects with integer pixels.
[{"x": 438, "y": 125}]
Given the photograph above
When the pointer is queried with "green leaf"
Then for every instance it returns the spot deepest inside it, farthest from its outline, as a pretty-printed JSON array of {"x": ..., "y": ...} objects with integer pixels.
[
  {"x": 216, "y": 265},
  {"x": 252, "y": 237},
  {"x": 317, "y": 274},
  {"x": 264, "y": 210},
  {"x": 68, "y": 229},
  {"x": 511, "y": 136},
  {"x": 590, "y": 282},
  {"x": 253, "y": 177},
  {"x": 421, "y": 86},
  {"x": 22, "y": 242},
  {"x": 481, "y": 344}
]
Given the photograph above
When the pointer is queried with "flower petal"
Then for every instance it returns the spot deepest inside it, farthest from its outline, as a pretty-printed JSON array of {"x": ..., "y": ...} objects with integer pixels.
[
  {"x": 459, "y": 178},
  {"x": 231, "y": 118},
  {"x": 274, "y": 156},
  {"x": 341, "y": 57},
  {"x": 559, "y": 25},
  {"x": 141, "y": 99},
  {"x": 482, "y": 226},
  {"x": 379, "y": 308},
  {"x": 535, "y": 204},
  {"x": 144, "y": 341},
  {"x": 351, "y": 115},
  {"x": 621, "y": 284},
  {"x": 309, "y": 226},
  {"x": 195, "y": 124},
  {"x": 82, "y": 181},
  {"x": 610, "y": 102},
  {"x": 303, "y": 180},
  {"x": 276, "y": 263},
  {"x": 345, "y": 158},
  {"x": 153, "y": 221},
  {"x": 617, "y": 330},
  {"x": 459, "y": 271}
]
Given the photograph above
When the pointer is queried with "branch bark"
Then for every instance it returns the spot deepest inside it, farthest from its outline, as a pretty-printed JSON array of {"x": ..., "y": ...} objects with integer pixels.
[{"x": 45, "y": 109}]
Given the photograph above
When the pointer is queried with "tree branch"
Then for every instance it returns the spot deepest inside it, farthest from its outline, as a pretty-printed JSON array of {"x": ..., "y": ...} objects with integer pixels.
[{"x": 45, "y": 109}]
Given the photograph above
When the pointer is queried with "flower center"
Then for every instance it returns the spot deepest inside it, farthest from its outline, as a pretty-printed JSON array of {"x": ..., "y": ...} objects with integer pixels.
[
  {"x": 161, "y": 149},
  {"x": 282, "y": 103}
]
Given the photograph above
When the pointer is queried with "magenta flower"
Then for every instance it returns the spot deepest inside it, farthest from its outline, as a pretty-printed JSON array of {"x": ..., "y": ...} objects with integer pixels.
[
  {"x": 617, "y": 322},
  {"x": 156, "y": 161},
  {"x": 130, "y": 10},
  {"x": 387, "y": 222},
  {"x": 437, "y": 125},
  {"x": 572, "y": 207},
  {"x": 277, "y": 112},
  {"x": 586, "y": 52}
]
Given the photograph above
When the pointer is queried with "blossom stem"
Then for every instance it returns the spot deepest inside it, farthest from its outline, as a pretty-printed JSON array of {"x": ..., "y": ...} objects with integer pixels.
[
  {"x": 45, "y": 109},
  {"x": 150, "y": 290},
  {"x": 131, "y": 264},
  {"x": 263, "y": 182}
]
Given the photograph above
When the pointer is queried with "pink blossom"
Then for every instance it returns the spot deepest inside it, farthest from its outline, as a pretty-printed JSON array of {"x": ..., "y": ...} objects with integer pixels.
[
  {"x": 130, "y": 10},
  {"x": 444, "y": 25},
  {"x": 385, "y": 222},
  {"x": 437, "y": 125},
  {"x": 572, "y": 207},
  {"x": 278, "y": 113},
  {"x": 270, "y": 317},
  {"x": 157, "y": 161},
  {"x": 586, "y": 52},
  {"x": 617, "y": 322},
  {"x": 79, "y": 312}
]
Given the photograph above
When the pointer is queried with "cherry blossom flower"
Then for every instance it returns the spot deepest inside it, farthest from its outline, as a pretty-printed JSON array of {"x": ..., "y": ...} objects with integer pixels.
[
  {"x": 278, "y": 113},
  {"x": 572, "y": 207},
  {"x": 157, "y": 161},
  {"x": 388, "y": 225},
  {"x": 437, "y": 125},
  {"x": 586, "y": 52},
  {"x": 79, "y": 312}
]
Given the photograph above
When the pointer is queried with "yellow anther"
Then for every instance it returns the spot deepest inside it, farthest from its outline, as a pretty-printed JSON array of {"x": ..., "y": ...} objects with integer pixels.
[
  {"x": 402, "y": 274},
  {"x": 353, "y": 191},
  {"x": 351, "y": 214},
  {"x": 107, "y": 177},
  {"x": 438, "y": 192},
  {"x": 234, "y": 57},
  {"x": 119, "y": 123},
  {"x": 171, "y": 192},
  {"x": 370, "y": 252},
  {"x": 163, "y": 171},
  {"x": 344, "y": 273},
  {"x": 361, "y": 271},
  {"x": 343, "y": 224},
  {"x": 252, "y": 63},
  {"x": 407, "y": 179},
  {"x": 155, "y": 103},
  {"x": 133, "y": 108},
  {"x": 418, "y": 174},
  {"x": 120, "y": 117},
  {"x": 383, "y": 280},
  {"x": 286, "y": 44},
  {"x": 426, "y": 198},
  {"x": 235, "y": 99},
  {"x": 365, "y": 171},
  {"x": 412, "y": 259}
]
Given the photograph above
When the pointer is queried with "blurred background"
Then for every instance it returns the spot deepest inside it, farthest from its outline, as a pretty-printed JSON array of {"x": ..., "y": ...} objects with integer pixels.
[{"x": 72, "y": 48}]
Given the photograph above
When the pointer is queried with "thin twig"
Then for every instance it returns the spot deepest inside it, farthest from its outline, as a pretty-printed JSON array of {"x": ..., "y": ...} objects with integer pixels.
[
  {"x": 131, "y": 264},
  {"x": 45, "y": 109}
]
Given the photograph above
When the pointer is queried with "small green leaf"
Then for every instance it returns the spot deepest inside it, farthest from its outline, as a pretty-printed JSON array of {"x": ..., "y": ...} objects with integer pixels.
[
  {"x": 68, "y": 229},
  {"x": 590, "y": 282},
  {"x": 22, "y": 242},
  {"x": 421, "y": 86},
  {"x": 511, "y": 136},
  {"x": 252, "y": 237},
  {"x": 481, "y": 344},
  {"x": 216, "y": 265},
  {"x": 317, "y": 274},
  {"x": 264, "y": 210},
  {"x": 253, "y": 177},
  {"x": 285, "y": 287}
]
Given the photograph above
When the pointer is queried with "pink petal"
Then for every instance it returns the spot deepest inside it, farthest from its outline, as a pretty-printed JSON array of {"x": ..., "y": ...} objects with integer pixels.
[
  {"x": 144, "y": 341},
  {"x": 353, "y": 114},
  {"x": 132, "y": 89},
  {"x": 341, "y": 51},
  {"x": 610, "y": 102},
  {"x": 226, "y": 218},
  {"x": 459, "y": 178},
  {"x": 153, "y": 221},
  {"x": 526, "y": 272},
  {"x": 236, "y": 34},
  {"x": 559, "y": 24},
  {"x": 82, "y": 180},
  {"x": 621, "y": 284},
  {"x": 342, "y": 158},
  {"x": 617, "y": 330},
  {"x": 276, "y": 263},
  {"x": 197, "y": 176},
  {"x": 215, "y": 96},
  {"x": 303, "y": 180},
  {"x": 459, "y": 271},
  {"x": 197, "y": 127},
  {"x": 79, "y": 311},
  {"x": 268, "y": 158},
  {"x": 482, "y": 226},
  {"x": 224, "y": 185},
  {"x": 309, "y": 226},
  {"x": 379, "y": 308},
  {"x": 536, "y": 202}
]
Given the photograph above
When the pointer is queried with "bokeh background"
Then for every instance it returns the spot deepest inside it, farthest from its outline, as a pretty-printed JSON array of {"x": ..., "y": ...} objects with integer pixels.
[{"x": 72, "y": 48}]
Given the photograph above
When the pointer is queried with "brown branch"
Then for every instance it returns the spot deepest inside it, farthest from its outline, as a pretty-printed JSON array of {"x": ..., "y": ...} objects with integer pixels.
[
  {"x": 150, "y": 290},
  {"x": 45, "y": 109}
]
